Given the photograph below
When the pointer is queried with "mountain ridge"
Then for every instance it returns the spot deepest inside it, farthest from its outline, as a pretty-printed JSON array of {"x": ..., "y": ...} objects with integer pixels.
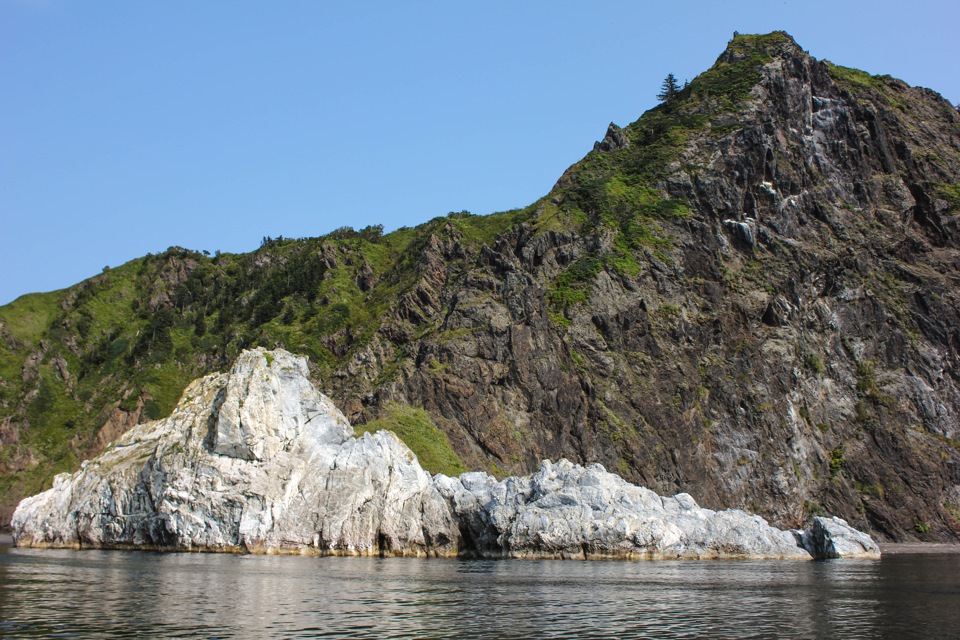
[{"x": 750, "y": 292}]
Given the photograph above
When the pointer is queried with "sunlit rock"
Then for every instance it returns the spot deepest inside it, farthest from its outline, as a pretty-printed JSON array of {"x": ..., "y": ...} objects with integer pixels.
[{"x": 258, "y": 460}]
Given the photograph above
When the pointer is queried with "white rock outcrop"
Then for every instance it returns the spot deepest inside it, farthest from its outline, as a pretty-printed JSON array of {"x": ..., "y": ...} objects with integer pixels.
[
  {"x": 569, "y": 511},
  {"x": 255, "y": 460},
  {"x": 258, "y": 460}
]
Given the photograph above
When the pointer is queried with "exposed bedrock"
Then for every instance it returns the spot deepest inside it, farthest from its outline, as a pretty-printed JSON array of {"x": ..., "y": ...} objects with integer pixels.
[{"x": 258, "y": 460}]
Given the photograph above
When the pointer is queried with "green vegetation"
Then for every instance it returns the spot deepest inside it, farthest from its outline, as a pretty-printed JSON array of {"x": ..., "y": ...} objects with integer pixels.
[
  {"x": 856, "y": 80},
  {"x": 837, "y": 461},
  {"x": 922, "y": 527},
  {"x": 867, "y": 385},
  {"x": 732, "y": 78},
  {"x": 669, "y": 89},
  {"x": 814, "y": 362},
  {"x": 950, "y": 193},
  {"x": 855, "y": 77},
  {"x": 954, "y": 511},
  {"x": 570, "y": 287},
  {"x": 28, "y": 317},
  {"x": 866, "y": 376},
  {"x": 874, "y": 490},
  {"x": 414, "y": 426}
]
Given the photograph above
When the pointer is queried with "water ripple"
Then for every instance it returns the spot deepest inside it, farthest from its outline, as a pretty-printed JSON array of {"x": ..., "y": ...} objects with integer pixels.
[{"x": 89, "y": 594}]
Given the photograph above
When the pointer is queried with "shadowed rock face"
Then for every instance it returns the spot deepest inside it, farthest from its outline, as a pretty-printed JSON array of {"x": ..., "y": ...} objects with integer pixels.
[{"x": 259, "y": 461}]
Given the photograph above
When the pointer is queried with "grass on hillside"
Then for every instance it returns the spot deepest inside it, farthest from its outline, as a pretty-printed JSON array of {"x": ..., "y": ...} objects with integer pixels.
[{"x": 414, "y": 426}]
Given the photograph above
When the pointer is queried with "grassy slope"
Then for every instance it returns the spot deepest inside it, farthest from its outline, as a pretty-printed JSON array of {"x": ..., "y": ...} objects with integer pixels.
[{"x": 417, "y": 430}]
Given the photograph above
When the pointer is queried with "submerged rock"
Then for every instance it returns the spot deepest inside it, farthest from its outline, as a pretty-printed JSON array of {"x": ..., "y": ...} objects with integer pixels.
[{"x": 259, "y": 461}]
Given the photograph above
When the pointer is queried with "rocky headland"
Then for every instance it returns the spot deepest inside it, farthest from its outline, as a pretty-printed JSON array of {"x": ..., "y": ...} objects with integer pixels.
[
  {"x": 258, "y": 460},
  {"x": 749, "y": 294}
]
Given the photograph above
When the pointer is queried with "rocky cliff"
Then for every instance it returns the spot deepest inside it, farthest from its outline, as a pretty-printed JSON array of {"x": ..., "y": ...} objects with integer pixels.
[
  {"x": 258, "y": 461},
  {"x": 749, "y": 294}
]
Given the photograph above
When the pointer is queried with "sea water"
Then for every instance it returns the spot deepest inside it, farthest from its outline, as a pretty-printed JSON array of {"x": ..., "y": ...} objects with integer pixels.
[{"x": 59, "y": 593}]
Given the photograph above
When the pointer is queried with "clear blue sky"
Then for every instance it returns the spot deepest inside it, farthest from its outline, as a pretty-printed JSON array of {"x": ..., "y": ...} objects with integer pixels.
[{"x": 127, "y": 127}]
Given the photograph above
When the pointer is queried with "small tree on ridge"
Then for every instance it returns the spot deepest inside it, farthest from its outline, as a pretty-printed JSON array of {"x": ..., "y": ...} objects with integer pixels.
[{"x": 669, "y": 89}]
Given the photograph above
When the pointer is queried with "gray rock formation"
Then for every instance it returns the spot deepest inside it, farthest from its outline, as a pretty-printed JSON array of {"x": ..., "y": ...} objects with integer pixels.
[
  {"x": 569, "y": 511},
  {"x": 834, "y": 538},
  {"x": 259, "y": 461}
]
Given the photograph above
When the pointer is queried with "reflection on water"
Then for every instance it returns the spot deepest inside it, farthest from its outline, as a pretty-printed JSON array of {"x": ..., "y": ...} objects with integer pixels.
[{"x": 139, "y": 594}]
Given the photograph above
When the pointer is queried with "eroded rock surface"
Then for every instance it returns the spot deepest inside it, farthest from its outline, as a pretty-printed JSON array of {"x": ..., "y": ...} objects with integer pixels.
[
  {"x": 834, "y": 538},
  {"x": 569, "y": 511},
  {"x": 258, "y": 460},
  {"x": 254, "y": 460}
]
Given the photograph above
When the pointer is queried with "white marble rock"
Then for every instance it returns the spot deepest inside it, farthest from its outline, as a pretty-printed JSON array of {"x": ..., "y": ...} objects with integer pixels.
[{"x": 259, "y": 461}]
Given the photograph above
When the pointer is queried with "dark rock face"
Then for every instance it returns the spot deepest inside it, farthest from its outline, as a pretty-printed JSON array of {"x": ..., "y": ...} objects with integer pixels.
[
  {"x": 615, "y": 140},
  {"x": 794, "y": 351},
  {"x": 750, "y": 294}
]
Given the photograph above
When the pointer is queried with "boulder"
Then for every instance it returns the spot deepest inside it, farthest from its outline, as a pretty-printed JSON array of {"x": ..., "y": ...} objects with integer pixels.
[
  {"x": 834, "y": 538},
  {"x": 566, "y": 510}
]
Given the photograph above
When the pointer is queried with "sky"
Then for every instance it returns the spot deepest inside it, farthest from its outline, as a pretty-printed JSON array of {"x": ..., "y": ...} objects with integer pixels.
[{"x": 129, "y": 127}]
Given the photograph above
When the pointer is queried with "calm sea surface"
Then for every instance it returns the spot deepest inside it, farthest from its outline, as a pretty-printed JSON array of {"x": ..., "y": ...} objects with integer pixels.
[{"x": 150, "y": 595}]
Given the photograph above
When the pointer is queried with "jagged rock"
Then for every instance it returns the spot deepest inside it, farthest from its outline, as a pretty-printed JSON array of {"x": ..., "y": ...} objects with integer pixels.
[
  {"x": 569, "y": 511},
  {"x": 254, "y": 460},
  {"x": 834, "y": 538},
  {"x": 744, "y": 232},
  {"x": 614, "y": 140},
  {"x": 777, "y": 313},
  {"x": 258, "y": 460}
]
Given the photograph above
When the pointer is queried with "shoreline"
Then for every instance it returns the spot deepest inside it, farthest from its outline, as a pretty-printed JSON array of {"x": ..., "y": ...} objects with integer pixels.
[
  {"x": 918, "y": 548},
  {"x": 886, "y": 548}
]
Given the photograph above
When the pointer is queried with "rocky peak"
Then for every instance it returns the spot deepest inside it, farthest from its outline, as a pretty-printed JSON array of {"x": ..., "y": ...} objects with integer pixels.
[
  {"x": 268, "y": 401},
  {"x": 777, "y": 44},
  {"x": 614, "y": 140}
]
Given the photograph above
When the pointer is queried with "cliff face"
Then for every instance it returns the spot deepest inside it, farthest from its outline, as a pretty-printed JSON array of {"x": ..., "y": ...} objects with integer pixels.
[
  {"x": 258, "y": 461},
  {"x": 750, "y": 294}
]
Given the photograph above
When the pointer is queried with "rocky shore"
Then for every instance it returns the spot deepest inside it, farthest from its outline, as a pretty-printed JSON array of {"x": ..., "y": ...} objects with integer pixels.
[{"x": 259, "y": 461}]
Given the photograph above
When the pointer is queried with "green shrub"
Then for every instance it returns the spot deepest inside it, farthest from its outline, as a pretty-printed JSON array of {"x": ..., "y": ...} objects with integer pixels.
[
  {"x": 814, "y": 362},
  {"x": 950, "y": 193},
  {"x": 837, "y": 461}
]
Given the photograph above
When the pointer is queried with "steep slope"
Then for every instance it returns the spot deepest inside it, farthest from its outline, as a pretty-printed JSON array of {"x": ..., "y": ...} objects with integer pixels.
[{"x": 750, "y": 293}]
